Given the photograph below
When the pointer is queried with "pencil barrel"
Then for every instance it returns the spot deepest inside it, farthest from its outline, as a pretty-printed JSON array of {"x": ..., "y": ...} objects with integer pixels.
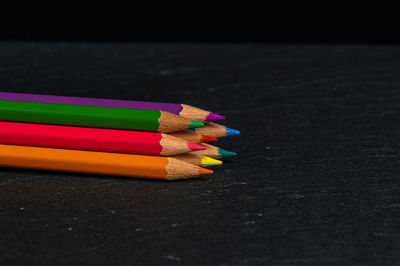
[
  {"x": 90, "y": 116},
  {"x": 95, "y": 139},
  {"x": 184, "y": 110},
  {"x": 103, "y": 163}
]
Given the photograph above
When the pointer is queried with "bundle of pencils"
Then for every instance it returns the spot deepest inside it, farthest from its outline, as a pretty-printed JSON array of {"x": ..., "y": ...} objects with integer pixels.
[{"x": 109, "y": 137}]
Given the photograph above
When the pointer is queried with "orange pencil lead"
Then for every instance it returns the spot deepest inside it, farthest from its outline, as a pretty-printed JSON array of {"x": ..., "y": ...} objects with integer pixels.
[{"x": 204, "y": 171}]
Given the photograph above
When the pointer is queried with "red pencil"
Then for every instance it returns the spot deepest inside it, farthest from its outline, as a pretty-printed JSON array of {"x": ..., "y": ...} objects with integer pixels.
[{"x": 94, "y": 139}]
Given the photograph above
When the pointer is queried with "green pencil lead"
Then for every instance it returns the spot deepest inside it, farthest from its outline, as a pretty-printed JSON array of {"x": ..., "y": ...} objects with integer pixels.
[
  {"x": 224, "y": 153},
  {"x": 194, "y": 124}
]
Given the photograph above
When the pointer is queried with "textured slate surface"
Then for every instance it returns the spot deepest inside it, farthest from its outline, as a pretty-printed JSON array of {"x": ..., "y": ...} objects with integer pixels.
[{"x": 316, "y": 182}]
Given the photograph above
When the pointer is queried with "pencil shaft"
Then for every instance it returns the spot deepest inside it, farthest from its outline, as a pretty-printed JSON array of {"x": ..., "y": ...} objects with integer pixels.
[
  {"x": 154, "y": 167},
  {"x": 97, "y": 139},
  {"x": 178, "y": 109},
  {"x": 91, "y": 116},
  {"x": 168, "y": 107}
]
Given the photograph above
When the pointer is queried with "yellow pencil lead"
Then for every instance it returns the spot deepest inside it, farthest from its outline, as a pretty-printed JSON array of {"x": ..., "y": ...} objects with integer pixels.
[{"x": 207, "y": 161}]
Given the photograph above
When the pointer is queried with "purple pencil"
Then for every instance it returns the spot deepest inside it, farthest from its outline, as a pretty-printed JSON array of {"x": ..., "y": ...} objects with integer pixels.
[{"x": 178, "y": 109}]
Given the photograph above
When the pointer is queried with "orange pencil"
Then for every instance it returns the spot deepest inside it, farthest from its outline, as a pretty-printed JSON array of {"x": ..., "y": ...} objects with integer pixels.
[{"x": 104, "y": 163}]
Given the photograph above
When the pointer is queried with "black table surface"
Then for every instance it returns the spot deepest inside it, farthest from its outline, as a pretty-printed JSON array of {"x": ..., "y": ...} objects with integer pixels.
[{"x": 316, "y": 180}]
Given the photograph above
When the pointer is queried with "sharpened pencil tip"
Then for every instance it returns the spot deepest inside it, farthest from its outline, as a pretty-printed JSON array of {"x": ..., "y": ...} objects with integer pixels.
[
  {"x": 207, "y": 161},
  {"x": 208, "y": 139},
  {"x": 204, "y": 171},
  {"x": 195, "y": 147},
  {"x": 224, "y": 153},
  {"x": 214, "y": 117},
  {"x": 231, "y": 132},
  {"x": 194, "y": 124}
]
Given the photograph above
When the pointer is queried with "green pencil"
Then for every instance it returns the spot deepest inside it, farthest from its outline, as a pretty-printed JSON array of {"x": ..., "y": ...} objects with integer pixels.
[{"x": 94, "y": 116}]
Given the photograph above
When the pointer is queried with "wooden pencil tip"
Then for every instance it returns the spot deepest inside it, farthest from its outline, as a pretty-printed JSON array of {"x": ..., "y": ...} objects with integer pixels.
[
  {"x": 204, "y": 171},
  {"x": 195, "y": 147}
]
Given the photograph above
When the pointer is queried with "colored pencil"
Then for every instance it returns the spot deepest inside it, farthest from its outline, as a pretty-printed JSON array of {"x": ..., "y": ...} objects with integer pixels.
[
  {"x": 192, "y": 137},
  {"x": 91, "y": 162},
  {"x": 95, "y": 139},
  {"x": 184, "y": 110},
  {"x": 198, "y": 159},
  {"x": 94, "y": 116},
  {"x": 214, "y": 152},
  {"x": 216, "y": 131}
]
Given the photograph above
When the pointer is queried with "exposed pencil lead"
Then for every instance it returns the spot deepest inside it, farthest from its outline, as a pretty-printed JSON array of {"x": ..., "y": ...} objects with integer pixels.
[
  {"x": 194, "y": 124},
  {"x": 207, "y": 161},
  {"x": 204, "y": 171},
  {"x": 214, "y": 117},
  {"x": 231, "y": 132},
  {"x": 208, "y": 139},
  {"x": 195, "y": 147},
  {"x": 225, "y": 153}
]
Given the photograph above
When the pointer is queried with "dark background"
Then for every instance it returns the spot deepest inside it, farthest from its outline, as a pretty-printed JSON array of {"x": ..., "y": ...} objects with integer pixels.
[
  {"x": 314, "y": 89},
  {"x": 274, "y": 21}
]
